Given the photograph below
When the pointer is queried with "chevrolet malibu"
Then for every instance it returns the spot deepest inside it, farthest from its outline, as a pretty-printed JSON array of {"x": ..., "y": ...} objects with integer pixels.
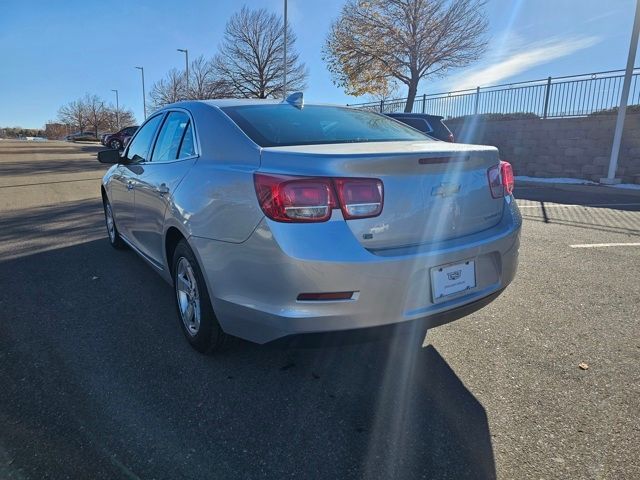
[{"x": 272, "y": 218}]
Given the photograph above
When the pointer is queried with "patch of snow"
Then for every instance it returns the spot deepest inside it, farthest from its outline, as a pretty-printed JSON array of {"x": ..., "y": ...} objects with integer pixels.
[
  {"x": 574, "y": 181},
  {"x": 571, "y": 181},
  {"x": 628, "y": 186}
]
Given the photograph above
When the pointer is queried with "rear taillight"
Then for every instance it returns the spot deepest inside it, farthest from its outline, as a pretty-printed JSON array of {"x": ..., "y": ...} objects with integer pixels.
[
  {"x": 507, "y": 177},
  {"x": 501, "y": 181},
  {"x": 359, "y": 197},
  {"x": 295, "y": 199},
  {"x": 311, "y": 199}
]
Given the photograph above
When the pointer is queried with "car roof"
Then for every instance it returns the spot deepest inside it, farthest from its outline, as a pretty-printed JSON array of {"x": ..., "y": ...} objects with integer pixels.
[
  {"x": 238, "y": 102},
  {"x": 235, "y": 102}
]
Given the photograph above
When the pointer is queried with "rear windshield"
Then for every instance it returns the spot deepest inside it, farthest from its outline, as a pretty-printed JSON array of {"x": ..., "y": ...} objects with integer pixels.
[{"x": 282, "y": 125}]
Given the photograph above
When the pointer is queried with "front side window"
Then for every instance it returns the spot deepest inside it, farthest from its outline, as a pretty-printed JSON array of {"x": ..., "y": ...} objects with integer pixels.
[
  {"x": 170, "y": 137},
  {"x": 140, "y": 147},
  {"x": 280, "y": 125}
]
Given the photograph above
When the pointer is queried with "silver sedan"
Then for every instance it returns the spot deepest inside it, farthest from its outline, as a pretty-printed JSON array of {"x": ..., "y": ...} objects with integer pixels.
[{"x": 277, "y": 218}]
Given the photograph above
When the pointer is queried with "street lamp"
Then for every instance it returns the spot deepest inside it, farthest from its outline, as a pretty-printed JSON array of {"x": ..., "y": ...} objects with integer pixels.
[
  {"x": 144, "y": 97},
  {"x": 117, "y": 109},
  {"x": 624, "y": 98},
  {"x": 186, "y": 61}
]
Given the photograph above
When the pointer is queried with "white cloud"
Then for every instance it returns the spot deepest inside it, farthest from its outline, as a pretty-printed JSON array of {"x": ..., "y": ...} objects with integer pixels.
[{"x": 525, "y": 57}]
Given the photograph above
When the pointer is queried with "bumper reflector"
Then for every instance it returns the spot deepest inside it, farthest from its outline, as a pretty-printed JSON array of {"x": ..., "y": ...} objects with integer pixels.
[{"x": 315, "y": 297}]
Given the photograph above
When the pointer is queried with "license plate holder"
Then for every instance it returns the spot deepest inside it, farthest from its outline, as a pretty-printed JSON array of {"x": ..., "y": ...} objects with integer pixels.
[{"x": 448, "y": 280}]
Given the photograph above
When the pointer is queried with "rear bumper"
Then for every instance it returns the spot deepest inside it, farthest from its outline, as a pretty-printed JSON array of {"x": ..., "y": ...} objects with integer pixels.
[{"x": 254, "y": 285}]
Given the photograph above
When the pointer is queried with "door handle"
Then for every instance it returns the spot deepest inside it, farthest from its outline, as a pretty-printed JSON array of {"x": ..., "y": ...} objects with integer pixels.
[{"x": 162, "y": 189}]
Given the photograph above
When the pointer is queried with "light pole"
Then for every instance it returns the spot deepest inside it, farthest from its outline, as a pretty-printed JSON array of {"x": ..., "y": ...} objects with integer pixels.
[
  {"x": 144, "y": 97},
  {"x": 284, "y": 75},
  {"x": 117, "y": 109},
  {"x": 622, "y": 109},
  {"x": 186, "y": 61}
]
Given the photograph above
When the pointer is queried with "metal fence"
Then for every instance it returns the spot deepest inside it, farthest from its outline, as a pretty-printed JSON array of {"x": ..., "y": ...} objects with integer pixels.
[{"x": 570, "y": 96}]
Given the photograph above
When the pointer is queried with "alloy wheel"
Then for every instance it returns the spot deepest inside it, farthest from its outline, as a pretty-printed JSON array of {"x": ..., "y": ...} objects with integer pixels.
[
  {"x": 111, "y": 226},
  {"x": 188, "y": 296}
]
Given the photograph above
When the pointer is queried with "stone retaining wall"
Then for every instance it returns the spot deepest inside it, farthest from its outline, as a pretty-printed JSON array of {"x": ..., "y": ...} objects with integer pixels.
[{"x": 562, "y": 147}]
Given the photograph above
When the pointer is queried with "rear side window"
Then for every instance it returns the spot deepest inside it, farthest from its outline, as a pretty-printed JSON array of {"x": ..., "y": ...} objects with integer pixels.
[
  {"x": 170, "y": 137},
  {"x": 140, "y": 147},
  {"x": 417, "y": 123},
  {"x": 279, "y": 125},
  {"x": 441, "y": 130},
  {"x": 187, "y": 149}
]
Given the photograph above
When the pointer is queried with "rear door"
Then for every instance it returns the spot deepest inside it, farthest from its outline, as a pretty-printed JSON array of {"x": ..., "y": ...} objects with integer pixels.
[
  {"x": 125, "y": 179},
  {"x": 173, "y": 155}
]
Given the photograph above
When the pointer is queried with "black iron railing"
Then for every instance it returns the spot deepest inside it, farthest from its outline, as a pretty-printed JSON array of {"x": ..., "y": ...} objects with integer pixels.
[{"x": 570, "y": 96}]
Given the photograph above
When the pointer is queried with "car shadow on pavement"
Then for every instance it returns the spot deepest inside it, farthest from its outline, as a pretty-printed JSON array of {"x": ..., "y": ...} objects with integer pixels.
[
  {"x": 29, "y": 168},
  {"x": 593, "y": 209},
  {"x": 29, "y": 230},
  {"x": 586, "y": 196},
  {"x": 98, "y": 382}
]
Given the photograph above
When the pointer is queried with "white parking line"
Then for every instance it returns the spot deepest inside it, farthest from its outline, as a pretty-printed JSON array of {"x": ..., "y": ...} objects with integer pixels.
[
  {"x": 556, "y": 205},
  {"x": 598, "y": 245}
]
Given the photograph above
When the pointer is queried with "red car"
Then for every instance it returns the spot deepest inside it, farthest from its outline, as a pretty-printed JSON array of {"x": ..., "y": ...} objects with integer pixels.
[{"x": 119, "y": 140}]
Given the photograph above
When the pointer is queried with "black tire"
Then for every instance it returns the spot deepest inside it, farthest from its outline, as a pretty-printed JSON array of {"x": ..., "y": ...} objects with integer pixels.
[
  {"x": 208, "y": 337},
  {"x": 115, "y": 144},
  {"x": 113, "y": 235}
]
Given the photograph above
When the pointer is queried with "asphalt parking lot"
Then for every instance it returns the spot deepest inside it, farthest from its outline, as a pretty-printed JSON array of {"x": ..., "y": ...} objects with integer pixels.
[{"x": 98, "y": 382}]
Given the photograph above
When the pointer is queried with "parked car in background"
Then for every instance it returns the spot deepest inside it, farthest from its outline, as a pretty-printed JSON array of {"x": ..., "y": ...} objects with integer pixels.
[
  {"x": 432, "y": 125},
  {"x": 272, "y": 218},
  {"x": 79, "y": 136},
  {"x": 103, "y": 138},
  {"x": 119, "y": 140}
]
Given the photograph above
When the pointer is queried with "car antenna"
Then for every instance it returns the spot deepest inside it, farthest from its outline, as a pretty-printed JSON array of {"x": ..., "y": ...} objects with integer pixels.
[{"x": 296, "y": 99}]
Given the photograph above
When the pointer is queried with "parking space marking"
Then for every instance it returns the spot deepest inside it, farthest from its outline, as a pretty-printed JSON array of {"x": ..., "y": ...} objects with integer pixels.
[
  {"x": 558, "y": 205},
  {"x": 598, "y": 245}
]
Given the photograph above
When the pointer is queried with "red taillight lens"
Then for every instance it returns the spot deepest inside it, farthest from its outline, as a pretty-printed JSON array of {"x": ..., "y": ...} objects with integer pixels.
[
  {"x": 311, "y": 199},
  {"x": 295, "y": 199},
  {"x": 506, "y": 170},
  {"x": 359, "y": 197},
  {"x": 501, "y": 181}
]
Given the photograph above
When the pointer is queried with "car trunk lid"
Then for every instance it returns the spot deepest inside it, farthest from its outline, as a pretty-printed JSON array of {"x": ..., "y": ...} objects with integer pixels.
[{"x": 433, "y": 191}]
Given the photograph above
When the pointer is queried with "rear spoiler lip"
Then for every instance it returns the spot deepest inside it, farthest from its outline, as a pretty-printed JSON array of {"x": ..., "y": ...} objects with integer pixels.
[{"x": 377, "y": 149}]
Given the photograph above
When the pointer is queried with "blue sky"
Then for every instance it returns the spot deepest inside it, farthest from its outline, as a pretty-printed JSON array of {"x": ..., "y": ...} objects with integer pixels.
[{"x": 54, "y": 52}]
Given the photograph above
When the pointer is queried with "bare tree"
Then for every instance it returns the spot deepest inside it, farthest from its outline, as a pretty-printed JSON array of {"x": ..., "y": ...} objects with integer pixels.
[
  {"x": 251, "y": 56},
  {"x": 90, "y": 111},
  {"x": 110, "y": 119},
  {"x": 95, "y": 112},
  {"x": 169, "y": 89},
  {"x": 375, "y": 41},
  {"x": 74, "y": 114},
  {"x": 205, "y": 82}
]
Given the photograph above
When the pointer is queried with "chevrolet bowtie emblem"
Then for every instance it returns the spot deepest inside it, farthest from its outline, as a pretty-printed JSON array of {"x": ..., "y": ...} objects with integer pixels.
[{"x": 445, "y": 190}]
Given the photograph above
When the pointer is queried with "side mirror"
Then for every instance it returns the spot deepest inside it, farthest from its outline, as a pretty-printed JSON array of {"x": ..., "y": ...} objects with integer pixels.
[{"x": 109, "y": 156}]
